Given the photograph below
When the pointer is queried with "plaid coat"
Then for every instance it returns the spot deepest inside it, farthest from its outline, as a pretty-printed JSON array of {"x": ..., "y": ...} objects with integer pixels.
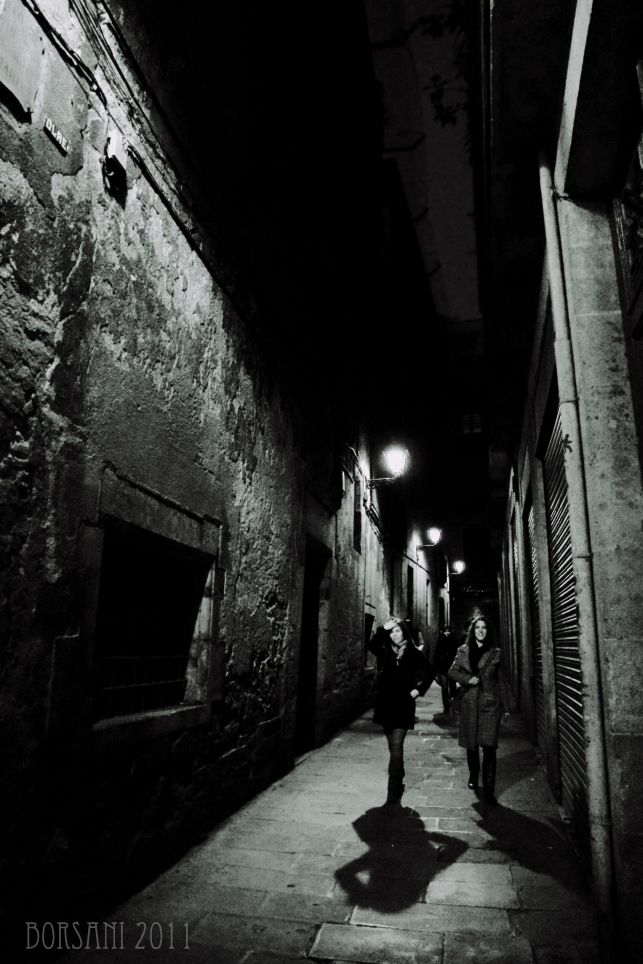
[{"x": 482, "y": 705}]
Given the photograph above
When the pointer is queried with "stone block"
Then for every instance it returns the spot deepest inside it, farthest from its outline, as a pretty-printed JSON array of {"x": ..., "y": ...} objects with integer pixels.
[
  {"x": 440, "y": 918},
  {"x": 304, "y": 907},
  {"x": 376, "y": 945},
  {"x": 292, "y": 842},
  {"x": 255, "y": 878},
  {"x": 564, "y": 889},
  {"x": 492, "y": 877},
  {"x": 583, "y": 953},
  {"x": 460, "y": 949},
  {"x": 291, "y": 938},
  {"x": 259, "y": 859},
  {"x": 560, "y": 928},
  {"x": 471, "y": 893}
]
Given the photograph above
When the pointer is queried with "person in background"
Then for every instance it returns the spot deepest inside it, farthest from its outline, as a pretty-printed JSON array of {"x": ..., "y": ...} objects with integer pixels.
[
  {"x": 478, "y": 668},
  {"x": 445, "y": 650},
  {"x": 404, "y": 674},
  {"x": 416, "y": 637}
]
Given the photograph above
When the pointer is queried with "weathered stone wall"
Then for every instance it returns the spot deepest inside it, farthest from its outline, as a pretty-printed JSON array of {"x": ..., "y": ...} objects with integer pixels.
[{"x": 120, "y": 352}]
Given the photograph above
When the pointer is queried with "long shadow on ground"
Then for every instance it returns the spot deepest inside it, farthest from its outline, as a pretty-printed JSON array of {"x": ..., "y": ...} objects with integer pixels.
[{"x": 401, "y": 862}]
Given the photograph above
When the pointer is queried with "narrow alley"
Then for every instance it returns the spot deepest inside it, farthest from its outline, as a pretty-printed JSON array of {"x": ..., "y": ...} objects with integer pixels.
[
  {"x": 321, "y": 352},
  {"x": 316, "y": 867}
]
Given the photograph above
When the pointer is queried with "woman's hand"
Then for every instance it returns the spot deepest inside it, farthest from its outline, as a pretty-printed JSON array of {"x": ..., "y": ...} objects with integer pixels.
[
  {"x": 474, "y": 681},
  {"x": 415, "y": 694}
]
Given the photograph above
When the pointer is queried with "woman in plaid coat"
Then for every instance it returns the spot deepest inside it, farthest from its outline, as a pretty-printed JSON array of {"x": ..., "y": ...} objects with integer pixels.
[{"x": 478, "y": 668}]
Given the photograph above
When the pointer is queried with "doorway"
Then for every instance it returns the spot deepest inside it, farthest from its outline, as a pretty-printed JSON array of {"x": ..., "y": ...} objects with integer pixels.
[{"x": 316, "y": 562}]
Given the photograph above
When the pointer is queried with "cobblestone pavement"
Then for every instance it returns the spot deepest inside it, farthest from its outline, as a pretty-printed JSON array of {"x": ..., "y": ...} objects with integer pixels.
[{"x": 317, "y": 867}]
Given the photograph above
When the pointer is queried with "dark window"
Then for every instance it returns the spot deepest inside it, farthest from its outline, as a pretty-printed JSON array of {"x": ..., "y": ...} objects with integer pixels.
[
  {"x": 472, "y": 423},
  {"x": 409, "y": 593},
  {"x": 357, "y": 516},
  {"x": 149, "y": 597}
]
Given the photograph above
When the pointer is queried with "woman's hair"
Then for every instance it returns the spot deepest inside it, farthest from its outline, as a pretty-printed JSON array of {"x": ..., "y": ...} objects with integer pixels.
[
  {"x": 405, "y": 629},
  {"x": 490, "y": 639}
]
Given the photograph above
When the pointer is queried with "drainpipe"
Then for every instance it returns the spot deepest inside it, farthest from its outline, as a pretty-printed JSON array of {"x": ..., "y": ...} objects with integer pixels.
[{"x": 597, "y": 789}]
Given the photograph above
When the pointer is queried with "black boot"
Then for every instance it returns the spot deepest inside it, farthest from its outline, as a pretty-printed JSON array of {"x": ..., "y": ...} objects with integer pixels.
[
  {"x": 395, "y": 791},
  {"x": 474, "y": 768},
  {"x": 489, "y": 775}
]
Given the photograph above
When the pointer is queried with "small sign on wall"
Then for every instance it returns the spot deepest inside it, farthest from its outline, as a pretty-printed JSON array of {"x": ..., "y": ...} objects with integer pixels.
[
  {"x": 56, "y": 135},
  {"x": 21, "y": 52}
]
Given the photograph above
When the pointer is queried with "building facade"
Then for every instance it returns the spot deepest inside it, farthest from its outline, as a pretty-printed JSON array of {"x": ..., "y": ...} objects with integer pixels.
[
  {"x": 192, "y": 560},
  {"x": 572, "y": 553}
]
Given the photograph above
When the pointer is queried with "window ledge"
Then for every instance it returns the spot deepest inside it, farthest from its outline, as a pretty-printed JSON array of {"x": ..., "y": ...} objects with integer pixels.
[{"x": 121, "y": 730}]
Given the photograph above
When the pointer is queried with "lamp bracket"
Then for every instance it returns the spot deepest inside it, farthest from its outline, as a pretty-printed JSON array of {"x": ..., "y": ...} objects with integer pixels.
[{"x": 374, "y": 483}]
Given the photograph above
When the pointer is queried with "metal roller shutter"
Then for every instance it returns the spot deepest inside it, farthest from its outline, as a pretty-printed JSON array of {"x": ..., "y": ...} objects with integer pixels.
[
  {"x": 569, "y": 703},
  {"x": 536, "y": 642},
  {"x": 517, "y": 642}
]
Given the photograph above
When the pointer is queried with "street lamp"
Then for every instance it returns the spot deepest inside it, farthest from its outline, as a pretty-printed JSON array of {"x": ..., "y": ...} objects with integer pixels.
[
  {"x": 459, "y": 567},
  {"x": 396, "y": 460},
  {"x": 435, "y": 535}
]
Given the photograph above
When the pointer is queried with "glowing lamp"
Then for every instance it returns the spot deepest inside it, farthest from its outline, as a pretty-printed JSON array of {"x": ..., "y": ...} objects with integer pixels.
[
  {"x": 435, "y": 535},
  {"x": 396, "y": 460},
  {"x": 459, "y": 566}
]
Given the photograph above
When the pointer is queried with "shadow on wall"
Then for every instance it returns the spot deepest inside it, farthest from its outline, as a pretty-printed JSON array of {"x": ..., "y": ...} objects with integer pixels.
[{"x": 401, "y": 862}]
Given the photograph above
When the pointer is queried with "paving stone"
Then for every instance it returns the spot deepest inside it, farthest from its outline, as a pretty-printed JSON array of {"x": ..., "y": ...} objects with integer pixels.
[
  {"x": 278, "y": 936},
  {"x": 471, "y": 893},
  {"x": 292, "y": 842},
  {"x": 323, "y": 826},
  {"x": 542, "y": 892},
  {"x": 488, "y": 876},
  {"x": 440, "y": 918},
  {"x": 581, "y": 953},
  {"x": 304, "y": 907},
  {"x": 190, "y": 904},
  {"x": 264, "y": 957},
  {"x": 376, "y": 945},
  {"x": 260, "y": 859},
  {"x": 253, "y": 878},
  {"x": 194, "y": 954},
  {"x": 560, "y": 929},
  {"x": 322, "y": 819},
  {"x": 479, "y": 855},
  {"x": 460, "y": 948},
  {"x": 235, "y": 900}
]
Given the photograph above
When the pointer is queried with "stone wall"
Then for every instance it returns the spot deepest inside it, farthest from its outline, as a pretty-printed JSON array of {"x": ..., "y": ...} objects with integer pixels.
[{"x": 122, "y": 358}]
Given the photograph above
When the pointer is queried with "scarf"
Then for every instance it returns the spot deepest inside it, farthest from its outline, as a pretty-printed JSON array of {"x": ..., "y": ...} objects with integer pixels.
[{"x": 475, "y": 654}]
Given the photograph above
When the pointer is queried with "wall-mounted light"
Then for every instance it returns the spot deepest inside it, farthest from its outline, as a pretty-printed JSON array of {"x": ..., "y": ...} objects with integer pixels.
[
  {"x": 396, "y": 461},
  {"x": 435, "y": 535},
  {"x": 459, "y": 567}
]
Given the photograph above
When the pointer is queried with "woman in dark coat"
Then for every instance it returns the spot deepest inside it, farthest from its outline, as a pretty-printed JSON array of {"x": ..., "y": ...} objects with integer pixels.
[
  {"x": 478, "y": 668},
  {"x": 404, "y": 674}
]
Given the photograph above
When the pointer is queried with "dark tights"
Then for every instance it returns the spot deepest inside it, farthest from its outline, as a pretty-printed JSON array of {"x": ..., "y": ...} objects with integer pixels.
[
  {"x": 395, "y": 737},
  {"x": 488, "y": 766}
]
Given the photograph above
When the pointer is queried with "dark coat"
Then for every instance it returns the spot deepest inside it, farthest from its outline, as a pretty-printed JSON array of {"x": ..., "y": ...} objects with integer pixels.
[
  {"x": 445, "y": 650},
  {"x": 482, "y": 706},
  {"x": 394, "y": 705}
]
